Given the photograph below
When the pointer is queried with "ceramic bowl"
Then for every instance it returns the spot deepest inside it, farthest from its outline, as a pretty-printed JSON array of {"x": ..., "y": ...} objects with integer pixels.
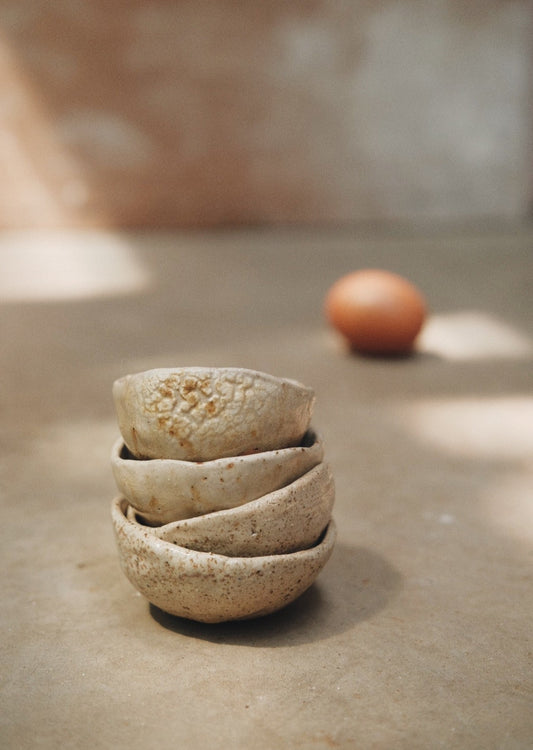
[
  {"x": 204, "y": 413},
  {"x": 287, "y": 520},
  {"x": 165, "y": 490},
  {"x": 208, "y": 587}
]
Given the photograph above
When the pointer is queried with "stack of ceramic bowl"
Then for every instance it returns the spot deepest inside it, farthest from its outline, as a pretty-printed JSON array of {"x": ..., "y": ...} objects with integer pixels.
[{"x": 225, "y": 506}]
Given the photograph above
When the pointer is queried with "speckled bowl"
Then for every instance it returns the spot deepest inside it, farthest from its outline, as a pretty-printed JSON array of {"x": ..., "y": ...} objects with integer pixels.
[
  {"x": 213, "y": 588},
  {"x": 165, "y": 490},
  {"x": 204, "y": 413},
  {"x": 287, "y": 520}
]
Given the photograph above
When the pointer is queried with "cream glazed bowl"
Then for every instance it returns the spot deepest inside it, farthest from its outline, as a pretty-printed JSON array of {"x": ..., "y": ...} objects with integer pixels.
[
  {"x": 204, "y": 413},
  {"x": 165, "y": 490},
  {"x": 210, "y": 587},
  {"x": 283, "y": 521}
]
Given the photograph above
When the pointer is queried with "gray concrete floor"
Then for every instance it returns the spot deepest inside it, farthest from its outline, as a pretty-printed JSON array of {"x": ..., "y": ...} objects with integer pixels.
[{"x": 418, "y": 632}]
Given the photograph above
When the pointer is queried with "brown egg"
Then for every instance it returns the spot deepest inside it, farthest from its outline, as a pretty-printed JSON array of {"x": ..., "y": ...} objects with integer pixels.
[{"x": 378, "y": 312}]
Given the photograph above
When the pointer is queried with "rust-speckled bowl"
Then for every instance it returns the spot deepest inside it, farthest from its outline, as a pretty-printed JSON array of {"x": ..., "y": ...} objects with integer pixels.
[
  {"x": 287, "y": 520},
  {"x": 165, "y": 490},
  {"x": 208, "y": 587},
  {"x": 204, "y": 413}
]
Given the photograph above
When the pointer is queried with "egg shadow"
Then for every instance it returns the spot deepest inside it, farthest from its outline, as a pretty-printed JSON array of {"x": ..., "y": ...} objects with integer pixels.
[
  {"x": 355, "y": 585},
  {"x": 415, "y": 355}
]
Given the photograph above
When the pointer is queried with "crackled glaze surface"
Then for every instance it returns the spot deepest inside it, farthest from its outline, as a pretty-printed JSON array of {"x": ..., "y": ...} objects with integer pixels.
[
  {"x": 287, "y": 520},
  {"x": 165, "y": 490},
  {"x": 198, "y": 414},
  {"x": 210, "y": 587}
]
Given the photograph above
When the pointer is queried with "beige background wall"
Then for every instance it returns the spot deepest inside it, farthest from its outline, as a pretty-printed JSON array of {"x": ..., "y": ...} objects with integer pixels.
[{"x": 202, "y": 112}]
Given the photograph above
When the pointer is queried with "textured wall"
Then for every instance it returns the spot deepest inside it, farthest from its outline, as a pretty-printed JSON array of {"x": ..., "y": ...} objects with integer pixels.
[{"x": 199, "y": 112}]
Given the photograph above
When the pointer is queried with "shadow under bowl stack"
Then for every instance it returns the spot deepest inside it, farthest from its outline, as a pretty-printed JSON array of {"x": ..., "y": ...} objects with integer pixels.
[{"x": 226, "y": 501}]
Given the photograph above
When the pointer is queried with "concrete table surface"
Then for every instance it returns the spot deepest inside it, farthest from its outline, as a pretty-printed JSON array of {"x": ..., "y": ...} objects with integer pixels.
[{"x": 417, "y": 633}]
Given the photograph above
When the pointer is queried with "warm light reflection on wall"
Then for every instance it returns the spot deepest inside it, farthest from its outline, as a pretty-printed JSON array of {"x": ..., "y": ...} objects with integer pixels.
[
  {"x": 497, "y": 428},
  {"x": 48, "y": 265},
  {"x": 471, "y": 335},
  {"x": 42, "y": 184}
]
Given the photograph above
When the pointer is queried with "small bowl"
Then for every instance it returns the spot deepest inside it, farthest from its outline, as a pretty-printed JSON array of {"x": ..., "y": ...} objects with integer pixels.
[
  {"x": 165, "y": 490},
  {"x": 213, "y": 588},
  {"x": 287, "y": 520},
  {"x": 204, "y": 413}
]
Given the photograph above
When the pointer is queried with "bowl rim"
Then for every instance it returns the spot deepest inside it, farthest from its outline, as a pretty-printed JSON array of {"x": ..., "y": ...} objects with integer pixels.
[
  {"x": 214, "y": 370},
  {"x": 290, "y": 518},
  {"x": 119, "y": 445},
  {"x": 321, "y": 470},
  {"x": 325, "y": 543}
]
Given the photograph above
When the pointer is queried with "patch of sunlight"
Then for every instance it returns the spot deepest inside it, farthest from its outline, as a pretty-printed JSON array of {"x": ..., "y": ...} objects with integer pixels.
[
  {"x": 499, "y": 428},
  {"x": 471, "y": 335},
  {"x": 45, "y": 265},
  {"x": 509, "y": 506}
]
